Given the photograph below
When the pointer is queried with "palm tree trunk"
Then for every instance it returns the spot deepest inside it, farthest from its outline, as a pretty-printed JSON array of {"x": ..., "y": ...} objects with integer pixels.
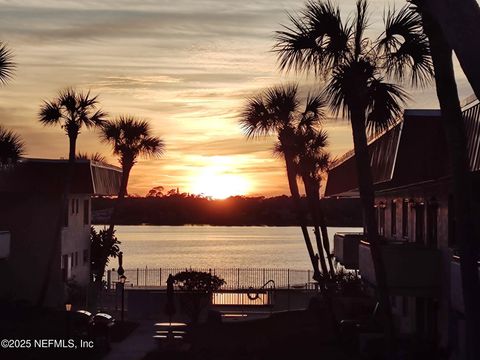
[
  {"x": 453, "y": 124},
  {"x": 367, "y": 197},
  {"x": 312, "y": 207},
  {"x": 323, "y": 227},
  {"x": 73, "y": 147},
  {"x": 121, "y": 195},
  {"x": 459, "y": 21},
  {"x": 292, "y": 183}
]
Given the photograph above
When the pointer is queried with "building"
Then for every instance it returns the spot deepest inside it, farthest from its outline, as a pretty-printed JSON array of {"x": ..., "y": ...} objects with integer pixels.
[
  {"x": 30, "y": 216},
  {"x": 414, "y": 206}
]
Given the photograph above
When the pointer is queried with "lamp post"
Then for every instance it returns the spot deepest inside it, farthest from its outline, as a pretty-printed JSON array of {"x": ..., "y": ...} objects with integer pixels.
[
  {"x": 122, "y": 279},
  {"x": 68, "y": 309}
]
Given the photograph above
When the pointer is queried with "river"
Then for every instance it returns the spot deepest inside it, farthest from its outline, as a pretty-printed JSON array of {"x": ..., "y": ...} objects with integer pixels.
[{"x": 215, "y": 246}]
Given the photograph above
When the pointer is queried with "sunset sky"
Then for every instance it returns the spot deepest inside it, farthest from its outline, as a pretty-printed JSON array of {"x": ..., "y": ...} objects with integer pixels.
[{"x": 185, "y": 65}]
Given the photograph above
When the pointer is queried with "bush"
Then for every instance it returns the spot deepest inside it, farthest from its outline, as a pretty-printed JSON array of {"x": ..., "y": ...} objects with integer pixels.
[{"x": 191, "y": 280}]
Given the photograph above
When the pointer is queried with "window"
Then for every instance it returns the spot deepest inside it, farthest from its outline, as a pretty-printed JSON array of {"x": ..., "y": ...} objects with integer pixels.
[
  {"x": 86, "y": 212},
  {"x": 71, "y": 260},
  {"x": 64, "y": 267},
  {"x": 393, "y": 217},
  {"x": 76, "y": 205},
  {"x": 405, "y": 218},
  {"x": 420, "y": 222},
  {"x": 73, "y": 206},
  {"x": 76, "y": 258},
  {"x": 85, "y": 256},
  {"x": 381, "y": 220}
]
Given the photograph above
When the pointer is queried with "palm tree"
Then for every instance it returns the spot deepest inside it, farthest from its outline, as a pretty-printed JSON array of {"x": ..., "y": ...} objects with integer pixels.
[
  {"x": 465, "y": 206},
  {"x": 130, "y": 139},
  {"x": 72, "y": 110},
  {"x": 313, "y": 161},
  {"x": 276, "y": 112},
  {"x": 355, "y": 68},
  {"x": 12, "y": 147}
]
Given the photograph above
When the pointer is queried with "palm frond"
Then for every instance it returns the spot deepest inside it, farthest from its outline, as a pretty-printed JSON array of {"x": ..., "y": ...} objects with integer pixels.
[
  {"x": 50, "y": 113},
  {"x": 405, "y": 48},
  {"x": 348, "y": 86},
  {"x": 97, "y": 157},
  {"x": 385, "y": 106},
  {"x": 7, "y": 66},
  {"x": 255, "y": 118},
  {"x": 282, "y": 102},
  {"x": 314, "y": 112},
  {"x": 12, "y": 147},
  {"x": 130, "y": 138},
  {"x": 315, "y": 40}
]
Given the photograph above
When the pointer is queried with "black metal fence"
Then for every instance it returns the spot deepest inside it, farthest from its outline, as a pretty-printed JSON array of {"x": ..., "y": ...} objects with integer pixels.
[{"x": 235, "y": 278}]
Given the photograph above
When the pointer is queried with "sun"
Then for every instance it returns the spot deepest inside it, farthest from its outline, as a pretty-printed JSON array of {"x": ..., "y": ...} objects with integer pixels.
[{"x": 219, "y": 185}]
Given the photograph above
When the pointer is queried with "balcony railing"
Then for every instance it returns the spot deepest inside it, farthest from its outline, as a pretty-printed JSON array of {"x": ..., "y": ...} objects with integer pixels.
[
  {"x": 456, "y": 289},
  {"x": 411, "y": 269},
  {"x": 345, "y": 248}
]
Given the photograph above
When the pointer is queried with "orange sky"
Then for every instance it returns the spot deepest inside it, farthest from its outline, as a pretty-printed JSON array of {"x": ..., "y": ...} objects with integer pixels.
[{"x": 187, "y": 66}]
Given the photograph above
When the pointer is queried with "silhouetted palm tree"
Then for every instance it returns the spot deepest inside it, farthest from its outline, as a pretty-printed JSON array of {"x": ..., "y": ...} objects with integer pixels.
[
  {"x": 72, "y": 110},
  {"x": 12, "y": 147},
  {"x": 466, "y": 208},
  {"x": 130, "y": 139},
  {"x": 312, "y": 162},
  {"x": 276, "y": 112},
  {"x": 355, "y": 68}
]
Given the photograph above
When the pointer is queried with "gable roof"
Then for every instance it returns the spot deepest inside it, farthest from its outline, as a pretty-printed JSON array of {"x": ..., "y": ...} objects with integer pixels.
[{"x": 413, "y": 151}]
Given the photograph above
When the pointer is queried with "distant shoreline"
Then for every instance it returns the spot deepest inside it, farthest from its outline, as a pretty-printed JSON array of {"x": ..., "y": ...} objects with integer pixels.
[{"x": 180, "y": 210}]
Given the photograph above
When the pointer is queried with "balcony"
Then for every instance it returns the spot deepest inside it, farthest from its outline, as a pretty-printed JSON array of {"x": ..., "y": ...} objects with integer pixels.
[
  {"x": 345, "y": 249},
  {"x": 411, "y": 269},
  {"x": 456, "y": 289},
  {"x": 4, "y": 244}
]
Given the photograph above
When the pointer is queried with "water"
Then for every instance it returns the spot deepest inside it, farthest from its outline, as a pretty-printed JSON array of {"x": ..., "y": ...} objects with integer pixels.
[{"x": 215, "y": 246}]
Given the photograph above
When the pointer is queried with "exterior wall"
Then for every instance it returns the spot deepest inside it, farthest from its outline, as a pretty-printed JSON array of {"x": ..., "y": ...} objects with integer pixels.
[
  {"x": 405, "y": 308},
  {"x": 75, "y": 253},
  {"x": 31, "y": 219}
]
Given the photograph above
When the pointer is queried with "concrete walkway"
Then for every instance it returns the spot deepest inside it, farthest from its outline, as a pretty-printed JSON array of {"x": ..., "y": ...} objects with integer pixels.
[{"x": 136, "y": 345}]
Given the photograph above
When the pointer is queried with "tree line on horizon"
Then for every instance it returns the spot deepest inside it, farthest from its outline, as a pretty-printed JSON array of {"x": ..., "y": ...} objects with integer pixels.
[{"x": 184, "y": 209}]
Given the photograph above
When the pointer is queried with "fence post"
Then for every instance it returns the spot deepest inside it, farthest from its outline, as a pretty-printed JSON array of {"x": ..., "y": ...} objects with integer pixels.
[
  {"x": 308, "y": 277},
  {"x": 160, "y": 280},
  {"x": 146, "y": 272},
  {"x": 238, "y": 278},
  {"x": 288, "y": 278},
  {"x": 263, "y": 276},
  {"x": 137, "y": 277}
]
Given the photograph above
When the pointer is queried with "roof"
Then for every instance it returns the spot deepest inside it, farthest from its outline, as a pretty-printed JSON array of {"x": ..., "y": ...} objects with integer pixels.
[
  {"x": 48, "y": 176},
  {"x": 413, "y": 151}
]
